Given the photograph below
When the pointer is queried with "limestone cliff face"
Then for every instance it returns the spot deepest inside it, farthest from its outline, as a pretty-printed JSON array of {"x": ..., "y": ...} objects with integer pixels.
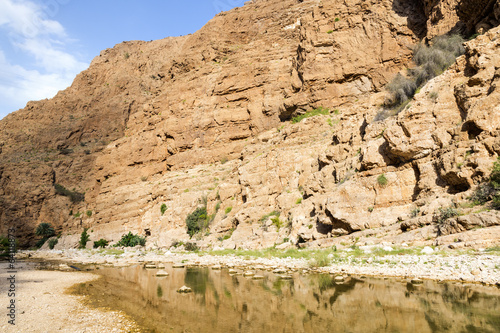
[{"x": 152, "y": 123}]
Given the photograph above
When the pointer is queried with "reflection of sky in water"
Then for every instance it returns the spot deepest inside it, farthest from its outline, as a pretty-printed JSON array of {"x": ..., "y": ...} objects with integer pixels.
[{"x": 308, "y": 303}]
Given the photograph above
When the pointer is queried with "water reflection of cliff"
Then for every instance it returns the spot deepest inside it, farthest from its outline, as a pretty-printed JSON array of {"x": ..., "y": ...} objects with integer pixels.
[{"x": 224, "y": 303}]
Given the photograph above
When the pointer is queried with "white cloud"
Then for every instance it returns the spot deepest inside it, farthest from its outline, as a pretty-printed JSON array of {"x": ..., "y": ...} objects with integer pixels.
[{"x": 42, "y": 40}]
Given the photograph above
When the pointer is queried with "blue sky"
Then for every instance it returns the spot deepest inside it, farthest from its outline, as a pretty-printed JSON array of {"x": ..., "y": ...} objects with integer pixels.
[{"x": 44, "y": 44}]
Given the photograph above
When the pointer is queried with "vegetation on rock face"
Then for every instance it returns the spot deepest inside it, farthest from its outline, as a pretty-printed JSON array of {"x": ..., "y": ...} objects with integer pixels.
[
  {"x": 84, "y": 238},
  {"x": 446, "y": 213},
  {"x": 489, "y": 190},
  {"x": 382, "y": 180},
  {"x": 199, "y": 219},
  {"x": 53, "y": 242},
  {"x": 311, "y": 113},
  {"x": 74, "y": 196},
  {"x": 4, "y": 246},
  {"x": 131, "y": 240},
  {"x": 163, "y": 208},
  {"x": 45, "y": 230},
  {"x": 273, "y": 213},
  {"x": 196, "y": 221},
  {"x": 431, "y": 61},
  {"x": 192, "y": 247},
  {"x": 102, "y": 243}
]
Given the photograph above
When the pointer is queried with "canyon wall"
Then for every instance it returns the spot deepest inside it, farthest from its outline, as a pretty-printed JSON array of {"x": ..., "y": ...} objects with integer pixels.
[{"x": 173, "y": 121}]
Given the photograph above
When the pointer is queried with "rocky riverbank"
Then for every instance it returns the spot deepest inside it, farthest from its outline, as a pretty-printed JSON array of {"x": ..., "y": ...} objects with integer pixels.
[{"x": 481, "y": 266}]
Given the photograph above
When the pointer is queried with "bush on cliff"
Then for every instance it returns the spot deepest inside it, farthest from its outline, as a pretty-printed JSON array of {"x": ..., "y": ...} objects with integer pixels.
[
  {"x": 431, "y": 61},
  {"x": 196, "y": 221},
  {"x": 74, "y": 196},
  {"x": 131, "y": 240}
]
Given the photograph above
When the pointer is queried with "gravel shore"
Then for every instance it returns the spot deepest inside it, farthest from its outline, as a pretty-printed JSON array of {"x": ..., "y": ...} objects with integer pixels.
[{"x": 480, "y": 267}]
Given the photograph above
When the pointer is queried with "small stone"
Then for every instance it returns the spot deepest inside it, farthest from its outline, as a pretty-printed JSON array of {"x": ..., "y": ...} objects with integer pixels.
[
  {"x": 427, "y": 250},
  {"x": 248, "y": 273},
  {"x": 339, "y": 278},
  {"x": 217, "y": 267},
  {"x": 475, "y": 272},
  {"x": 286, "y": 277},
  {"x": 279, "y": 271},
  {"x": 178, "y": 265},
  {"x": 417, "y": 281},
  {"x": 161, "y": 266},
  {"x": 233, "y": 271},
  {"x": 150, "y": 266},
  {"x": 257, "y": 277},
  {"x": 184, "y": 290},
  {"x": 161, "y": 273}
]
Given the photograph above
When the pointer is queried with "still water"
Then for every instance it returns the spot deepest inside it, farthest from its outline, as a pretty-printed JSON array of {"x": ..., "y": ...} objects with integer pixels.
[{"x": 221, "y": 302}]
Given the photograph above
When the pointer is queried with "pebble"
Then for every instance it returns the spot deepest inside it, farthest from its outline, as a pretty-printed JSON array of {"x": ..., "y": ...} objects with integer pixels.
[
  {"x": 184, "y": 290},
  {"x": 161, "y": 273}
]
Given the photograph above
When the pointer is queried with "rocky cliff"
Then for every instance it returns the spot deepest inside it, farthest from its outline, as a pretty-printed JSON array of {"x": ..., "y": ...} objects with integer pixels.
[{"x": 178, "y": 122}]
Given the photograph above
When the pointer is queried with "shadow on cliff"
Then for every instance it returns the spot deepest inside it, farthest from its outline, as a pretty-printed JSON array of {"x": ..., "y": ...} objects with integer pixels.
[{"x": 415, "y": 14}]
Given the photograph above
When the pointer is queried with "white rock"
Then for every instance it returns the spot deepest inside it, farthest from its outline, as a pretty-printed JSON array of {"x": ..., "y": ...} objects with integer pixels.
[
  {"x": 427, "y": 250},
  {"x": 161, "y": 273},
  {"x": 388, "y": 248}
]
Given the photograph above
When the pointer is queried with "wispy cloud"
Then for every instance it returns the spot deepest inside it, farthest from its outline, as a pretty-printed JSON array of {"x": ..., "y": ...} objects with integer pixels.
[{"x": 43, "y": 41}]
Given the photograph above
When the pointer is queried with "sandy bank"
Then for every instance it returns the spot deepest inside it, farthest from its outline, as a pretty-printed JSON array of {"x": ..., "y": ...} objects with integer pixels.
[{"x": 41, "y": 304}]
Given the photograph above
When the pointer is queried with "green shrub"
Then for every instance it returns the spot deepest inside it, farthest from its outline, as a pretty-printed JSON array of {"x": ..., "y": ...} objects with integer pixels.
[
  {"x": 320, "y": 259},
  {"x": 495, "y": 204},
  {"x": 74, "y": 196},
  {"x": 53, "y": 242},
  {"x": 228, "y": 210},
  {"x": 446, "y": 213},
  {"x": 102, "y": 243},
  {"x": 277, "y": 222},
  {"x": 4, "y": 246},
  {"x": 265, "y": 217},
  {"x": 40, "y": 243},
  {"x": 191, "y": 247},
  {"x": 490, "y": 190},
  {"x": 299, "y": 201},
  {"x": 163, "y": 208},
  {"x": 431, "y": 61},
  {"x": 45, "y": 230},
  {"x": 217, "y": 206},
  {"x": 495, "y": 175},
  {"x": 311, "y": 113},
  {"x": 400, "y": 89},
  {"x": 414, "y": 213},
  {"x": 131, "y": 240},
  {"x": 382, "y": 180},
  {"x": 84, "y": 238},
  {"x": 89, "y": 213},
  {"x": 196, "y": 221}
]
